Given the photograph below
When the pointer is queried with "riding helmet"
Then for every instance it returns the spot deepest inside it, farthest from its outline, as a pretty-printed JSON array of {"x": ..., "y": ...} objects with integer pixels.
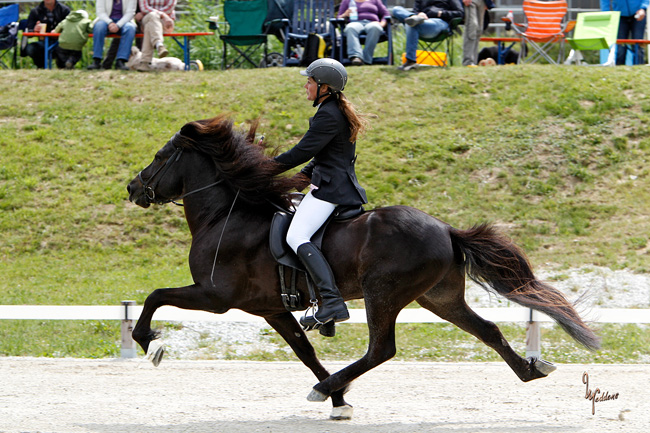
[{"x": 327, "y": 71}]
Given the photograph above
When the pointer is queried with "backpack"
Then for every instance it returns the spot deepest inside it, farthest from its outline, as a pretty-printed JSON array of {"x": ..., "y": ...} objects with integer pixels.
[{"x": 315, "y": 48}]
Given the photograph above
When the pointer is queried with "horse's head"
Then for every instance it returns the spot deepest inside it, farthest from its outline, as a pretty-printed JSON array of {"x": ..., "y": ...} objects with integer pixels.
[
  {"x": 207, "y": 152},
  {"x": 160, "y": 182}
]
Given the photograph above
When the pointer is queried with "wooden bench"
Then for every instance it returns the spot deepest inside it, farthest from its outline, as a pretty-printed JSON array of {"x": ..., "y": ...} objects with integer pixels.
[{"x": 51, "y": 41}]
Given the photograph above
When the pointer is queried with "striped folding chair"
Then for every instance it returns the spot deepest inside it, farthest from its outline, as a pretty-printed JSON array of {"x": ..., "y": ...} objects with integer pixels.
[{"x": 545, "y": 26}]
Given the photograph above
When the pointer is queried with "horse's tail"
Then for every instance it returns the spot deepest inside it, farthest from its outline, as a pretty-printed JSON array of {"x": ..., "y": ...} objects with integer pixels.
[{"x": 492, "y": 259}]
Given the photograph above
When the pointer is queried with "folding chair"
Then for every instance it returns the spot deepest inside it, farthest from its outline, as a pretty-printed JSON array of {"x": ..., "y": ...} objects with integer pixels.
[
  {"x": 244, "y": 19},
  {"x": 544, "y": 27},
  {"x": 309, "y": 16},
  {"x": 339, "y": 44},
  {"x": 594, "y": 31},
  {"x": 9, "y": 16},
  {"x": 429, "y": 53}
]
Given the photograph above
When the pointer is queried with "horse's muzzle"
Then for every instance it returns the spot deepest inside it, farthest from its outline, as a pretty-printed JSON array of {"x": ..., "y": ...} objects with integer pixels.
[{"x": 137, "y": 193}]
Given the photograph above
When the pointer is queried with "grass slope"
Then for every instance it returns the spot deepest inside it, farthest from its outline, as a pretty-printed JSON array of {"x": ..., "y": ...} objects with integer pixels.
[{"x": 557, "y": 156}]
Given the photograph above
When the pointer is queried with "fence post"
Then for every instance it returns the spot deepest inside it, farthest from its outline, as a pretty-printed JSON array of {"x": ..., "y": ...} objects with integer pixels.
[
  {"x": 128, "y": 344},
  {"x": 533, "y": 338}
]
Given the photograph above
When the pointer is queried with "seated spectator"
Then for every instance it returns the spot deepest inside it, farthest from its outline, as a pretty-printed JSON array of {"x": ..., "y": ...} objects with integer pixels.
[
  {"x": 157, "y": 17},
  {"x": 428, "y": 19},
  {"x": 74, "y": 30},
  {"x": 370, "y": 21},
  {"x": 42, "y": 19},
  {"x": 115, "y": 17}
]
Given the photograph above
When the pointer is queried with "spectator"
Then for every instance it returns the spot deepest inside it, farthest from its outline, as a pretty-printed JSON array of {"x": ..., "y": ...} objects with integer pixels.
[
  {"x": 475, "y": 11},
  {"x": 157, "y": 18},
  {"x": 74, "y": 30},
  {"x": 115, "y": 17},
  {"x": 370, "y": 21},
  {"x": 631, "y": 26},
  {"x": 428, "y": 19},
  {"x": 43, "y": 18}
]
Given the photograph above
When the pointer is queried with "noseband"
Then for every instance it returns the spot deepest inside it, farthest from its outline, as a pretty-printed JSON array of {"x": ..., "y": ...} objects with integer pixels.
[{"x": 149, "y": 191}]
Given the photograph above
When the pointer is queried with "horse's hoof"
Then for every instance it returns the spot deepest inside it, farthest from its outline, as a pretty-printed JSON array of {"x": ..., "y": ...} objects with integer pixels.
[
  {"x": 342, "y": 412},
  {"x": 544, "y": 367},
  {"x": 315, "y": 395},
  {"x": 155, "y": 352}
]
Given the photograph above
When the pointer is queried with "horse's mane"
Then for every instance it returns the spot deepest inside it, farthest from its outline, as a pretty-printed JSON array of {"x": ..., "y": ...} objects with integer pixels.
[{"x": 241, "y": 162}]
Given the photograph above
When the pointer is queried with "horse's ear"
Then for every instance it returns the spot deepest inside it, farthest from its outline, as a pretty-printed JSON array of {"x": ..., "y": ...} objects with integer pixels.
[
  {"x": 189, "y": 130},
  {"x": 250, "y": 137}
]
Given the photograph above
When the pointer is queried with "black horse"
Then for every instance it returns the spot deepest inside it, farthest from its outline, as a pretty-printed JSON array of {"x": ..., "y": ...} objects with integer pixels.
[{"x": 388, "y": 256}]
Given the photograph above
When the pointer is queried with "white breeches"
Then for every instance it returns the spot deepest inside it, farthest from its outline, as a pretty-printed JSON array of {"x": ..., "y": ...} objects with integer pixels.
[{"x": 310, "y": 216}]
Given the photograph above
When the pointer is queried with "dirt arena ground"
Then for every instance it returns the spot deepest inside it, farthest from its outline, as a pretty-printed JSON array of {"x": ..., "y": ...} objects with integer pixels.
[{"x": 117, "y": 396}]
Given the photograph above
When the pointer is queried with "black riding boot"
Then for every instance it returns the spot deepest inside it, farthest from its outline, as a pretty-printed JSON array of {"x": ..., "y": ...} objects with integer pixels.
[{"x": 332, "y": 306}]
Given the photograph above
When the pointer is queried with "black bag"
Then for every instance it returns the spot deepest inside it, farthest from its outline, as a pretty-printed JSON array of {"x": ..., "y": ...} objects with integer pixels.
[
  {"x": 8, "y": 35},
  {"x": 315, "y": 48}
]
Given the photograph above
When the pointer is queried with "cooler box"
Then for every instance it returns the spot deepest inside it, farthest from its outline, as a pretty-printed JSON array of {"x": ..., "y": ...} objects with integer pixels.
[{"x": 428, "y": 58}]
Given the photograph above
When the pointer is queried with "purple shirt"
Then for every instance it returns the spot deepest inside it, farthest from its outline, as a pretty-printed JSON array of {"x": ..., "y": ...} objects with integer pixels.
[
  {"x": 116, "y": 12},
  {"x": 372, "y": 10}
]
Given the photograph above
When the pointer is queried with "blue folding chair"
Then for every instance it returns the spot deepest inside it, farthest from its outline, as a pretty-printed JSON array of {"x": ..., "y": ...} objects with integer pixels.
[
  {"x": 9, "y": 16},
  {"x": 309, "y": 16}
]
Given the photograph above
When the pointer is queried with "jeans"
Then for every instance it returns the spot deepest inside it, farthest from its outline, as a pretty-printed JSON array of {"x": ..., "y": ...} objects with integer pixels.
[
  {"x": 430, "y": 28},
  {"x": 373, "y": 31},
  {"x": 629, "y": 28},
  {"x": 127, "y": 35}
]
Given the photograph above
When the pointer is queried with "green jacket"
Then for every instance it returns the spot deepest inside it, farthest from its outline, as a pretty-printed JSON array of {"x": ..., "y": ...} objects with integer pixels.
[{"x": 74, "y": 30}]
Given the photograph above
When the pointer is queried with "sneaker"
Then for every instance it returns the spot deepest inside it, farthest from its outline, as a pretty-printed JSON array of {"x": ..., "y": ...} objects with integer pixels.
[
  {"x": 96, "y": 64},
  {"x": 357, "y": 61},
  {"x": 410, "y": 64},
  {"x": 69, "y": 64},
  {"x": 162, "y": 51},
  {"x": 120, "y": 65},
  {"x": 414, "y": 20},
  {"x": 143, "y": 67}
]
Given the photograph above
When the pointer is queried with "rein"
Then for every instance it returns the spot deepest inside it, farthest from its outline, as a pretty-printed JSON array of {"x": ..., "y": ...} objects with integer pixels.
[{"x": 149, "y": 192}]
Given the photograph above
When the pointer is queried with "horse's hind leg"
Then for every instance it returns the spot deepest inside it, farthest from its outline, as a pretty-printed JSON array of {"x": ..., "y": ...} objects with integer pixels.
[
  {"x": 447, "y": 301},
  {"x": 287, "y": 326}
]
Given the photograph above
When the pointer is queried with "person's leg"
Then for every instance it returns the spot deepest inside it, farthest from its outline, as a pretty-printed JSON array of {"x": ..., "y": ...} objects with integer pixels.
[
  {"x": 638, "y": 30},
  {"x": 373, "y": 31},
  {"x": 431, "y": 28},
  {"x": 99, "y": 36},
  {"x": 623, "y": 31},
  {"x": 400, "y": 13},
  {"x": 352, "y": 32},
  {"x": 152, "y": 35},
  {"x": 60, "y": 56},
  {"x": 36, "y": 50},
  {"x": 309, "y": 217},
  {"x": 127, "y": 34},
  {"x": 412, "y": 37},
  {"x": 473, "y": 29}
]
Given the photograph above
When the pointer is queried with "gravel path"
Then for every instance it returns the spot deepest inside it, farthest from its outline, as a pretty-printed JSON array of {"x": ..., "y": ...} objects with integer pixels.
[{"x": 106, "y": 396}]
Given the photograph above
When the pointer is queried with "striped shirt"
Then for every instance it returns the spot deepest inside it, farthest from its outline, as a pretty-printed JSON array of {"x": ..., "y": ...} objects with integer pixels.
[{"x": 166, "y": 6}]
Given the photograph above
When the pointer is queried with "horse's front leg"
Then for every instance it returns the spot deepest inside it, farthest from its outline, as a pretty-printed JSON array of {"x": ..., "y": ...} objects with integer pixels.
[
  {"x": 289, "y": 329},
  {"x": 188, "y": 297}
]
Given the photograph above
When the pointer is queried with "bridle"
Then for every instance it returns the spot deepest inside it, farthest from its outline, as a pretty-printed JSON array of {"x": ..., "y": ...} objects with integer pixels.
[{"x": 150, "y": 194}]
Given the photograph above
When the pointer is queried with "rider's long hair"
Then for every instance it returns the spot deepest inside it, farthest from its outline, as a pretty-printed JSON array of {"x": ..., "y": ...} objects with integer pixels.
[{"x": 358, "y": 122}]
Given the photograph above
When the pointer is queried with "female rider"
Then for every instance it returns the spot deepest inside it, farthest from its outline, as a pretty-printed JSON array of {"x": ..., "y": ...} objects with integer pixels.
[{"x": 330, "y": 144}]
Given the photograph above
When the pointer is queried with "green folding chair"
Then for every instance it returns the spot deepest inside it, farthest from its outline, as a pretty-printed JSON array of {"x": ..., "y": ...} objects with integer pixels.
[
  {"x": 594, "y": 31},
  {"x": 244, "y": 19}
]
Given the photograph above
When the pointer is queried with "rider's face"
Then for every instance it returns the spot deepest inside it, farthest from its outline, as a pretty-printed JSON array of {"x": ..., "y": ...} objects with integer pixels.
[{"x": 312, "y": 88}]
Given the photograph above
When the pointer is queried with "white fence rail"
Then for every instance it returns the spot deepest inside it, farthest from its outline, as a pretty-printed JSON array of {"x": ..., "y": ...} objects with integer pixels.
[{"x": 128, "y": 313}]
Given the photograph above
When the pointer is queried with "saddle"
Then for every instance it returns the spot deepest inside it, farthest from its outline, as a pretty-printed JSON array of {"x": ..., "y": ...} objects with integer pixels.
[{"x": 286, "y": 258}]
